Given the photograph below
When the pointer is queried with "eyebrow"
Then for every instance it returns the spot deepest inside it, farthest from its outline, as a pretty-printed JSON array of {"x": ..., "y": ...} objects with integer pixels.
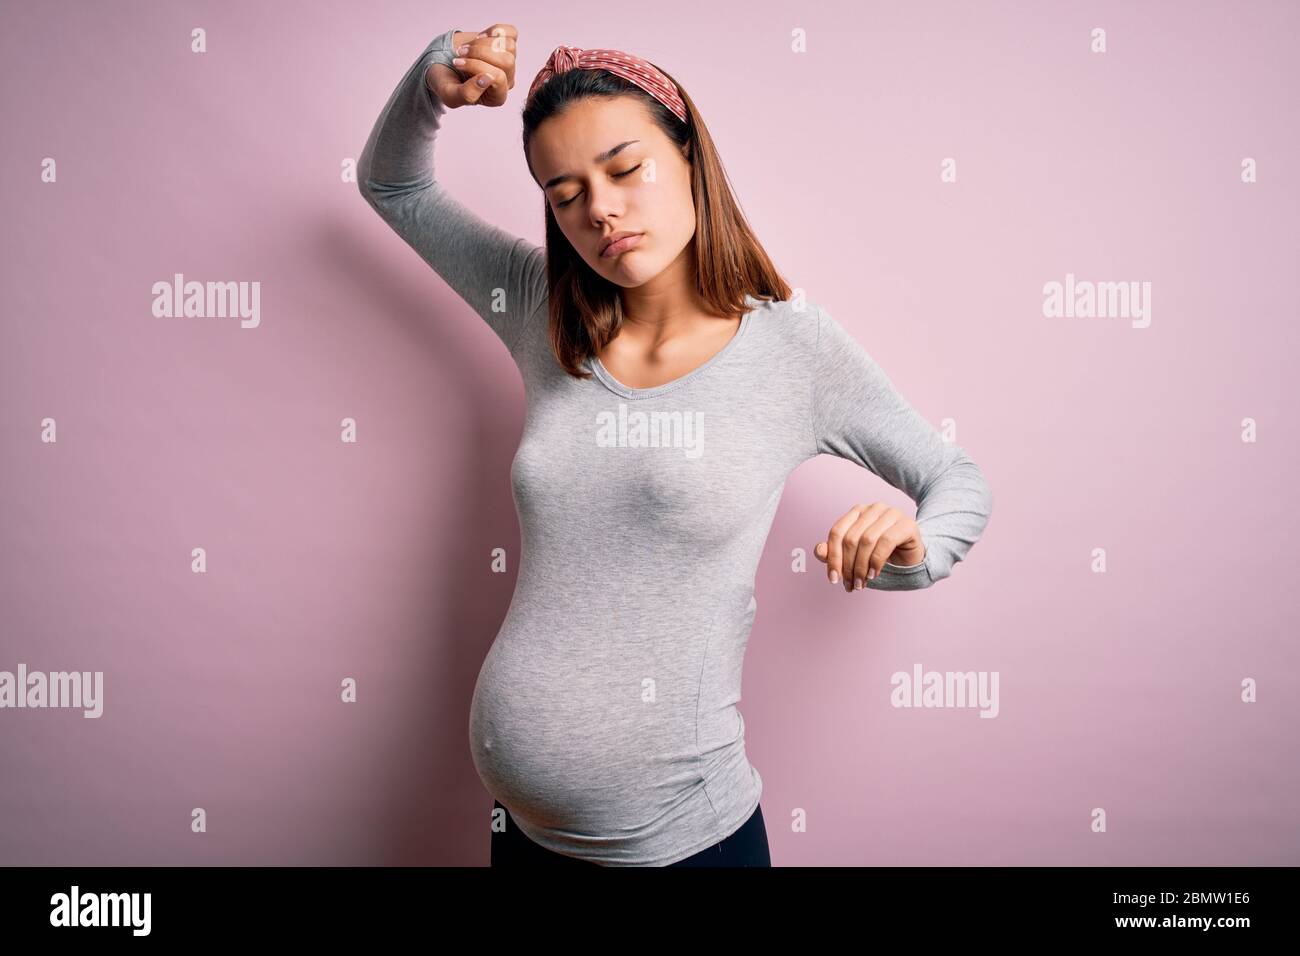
[{"x": 603, "y": 157}]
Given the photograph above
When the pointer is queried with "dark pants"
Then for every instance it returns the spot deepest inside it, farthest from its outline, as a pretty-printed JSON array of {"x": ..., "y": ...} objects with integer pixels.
[{"x": 746, "y": 847}]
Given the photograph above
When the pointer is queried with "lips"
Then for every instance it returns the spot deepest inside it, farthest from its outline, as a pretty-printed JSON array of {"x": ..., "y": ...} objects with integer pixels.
[{"x": 620, "y": 242}]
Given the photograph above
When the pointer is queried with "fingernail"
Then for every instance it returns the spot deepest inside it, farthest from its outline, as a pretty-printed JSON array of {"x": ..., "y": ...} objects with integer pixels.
[
  {"x": 484, "y": 80},
  {"x": 458, "y": 62},
  {"x": 835, "y": 577},
  {"x": 857, "y": 584},
  {"x": 871, "y": 573},
  {"x": 463, "y": 49}
]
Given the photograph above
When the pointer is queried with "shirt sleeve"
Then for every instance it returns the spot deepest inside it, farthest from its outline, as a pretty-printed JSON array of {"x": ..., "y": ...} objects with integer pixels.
[
  {"x": 859, "y": 415},
  {"x": 502, "y": 277}
]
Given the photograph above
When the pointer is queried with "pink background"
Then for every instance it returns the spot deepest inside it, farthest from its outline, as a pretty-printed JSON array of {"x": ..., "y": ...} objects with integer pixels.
[{"x": 328, "y": 560}]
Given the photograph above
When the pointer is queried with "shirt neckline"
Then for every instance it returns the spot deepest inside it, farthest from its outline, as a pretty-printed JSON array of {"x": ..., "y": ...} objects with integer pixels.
[{"x": 598, "y": 369}]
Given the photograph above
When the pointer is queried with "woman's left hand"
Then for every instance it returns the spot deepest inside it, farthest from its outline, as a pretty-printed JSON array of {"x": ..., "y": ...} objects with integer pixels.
[{"x": 866, "y": 537}]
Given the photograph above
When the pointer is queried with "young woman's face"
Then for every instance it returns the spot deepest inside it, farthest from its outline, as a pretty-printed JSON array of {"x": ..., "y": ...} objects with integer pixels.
[{"x": 606, "y": 167}]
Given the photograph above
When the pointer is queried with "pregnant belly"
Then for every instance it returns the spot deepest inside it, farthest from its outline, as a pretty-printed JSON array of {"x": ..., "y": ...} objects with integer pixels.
[{"x": 589, "y": 743}]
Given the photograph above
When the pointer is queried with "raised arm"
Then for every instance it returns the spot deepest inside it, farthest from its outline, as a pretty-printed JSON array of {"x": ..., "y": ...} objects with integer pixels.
[
  {"x": 502, "y": 277},
  {"x": 859, "y": 415}
]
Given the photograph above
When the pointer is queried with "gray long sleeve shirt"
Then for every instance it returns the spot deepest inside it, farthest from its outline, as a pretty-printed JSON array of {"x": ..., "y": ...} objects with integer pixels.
[{"x": 605, "y": 714}]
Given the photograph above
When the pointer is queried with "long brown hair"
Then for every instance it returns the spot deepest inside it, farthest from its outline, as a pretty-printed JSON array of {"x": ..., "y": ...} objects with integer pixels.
[{"x": 730, "y": 264}]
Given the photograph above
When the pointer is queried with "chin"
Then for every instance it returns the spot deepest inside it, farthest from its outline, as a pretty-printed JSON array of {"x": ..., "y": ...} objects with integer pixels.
[{"x": 630, "y": 272}]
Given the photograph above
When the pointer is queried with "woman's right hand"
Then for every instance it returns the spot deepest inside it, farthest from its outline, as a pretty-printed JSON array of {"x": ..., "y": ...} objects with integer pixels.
[{"x": 489, "y": 55}]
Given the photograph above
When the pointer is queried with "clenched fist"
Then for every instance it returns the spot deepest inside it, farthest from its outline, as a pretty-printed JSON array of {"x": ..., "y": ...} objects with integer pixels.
[{"x": 483, "y": 71}]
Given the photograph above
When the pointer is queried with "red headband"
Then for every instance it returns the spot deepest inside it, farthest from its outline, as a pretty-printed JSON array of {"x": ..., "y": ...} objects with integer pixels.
[{"x": 630, "y": 67}]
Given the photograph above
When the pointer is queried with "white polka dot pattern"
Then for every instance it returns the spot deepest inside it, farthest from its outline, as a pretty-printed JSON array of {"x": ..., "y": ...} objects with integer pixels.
[{"x": 627, "y": 65}]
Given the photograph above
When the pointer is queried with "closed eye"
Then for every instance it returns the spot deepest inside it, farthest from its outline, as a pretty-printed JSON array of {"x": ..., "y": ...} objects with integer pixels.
[{"x": 626, "y": 172}]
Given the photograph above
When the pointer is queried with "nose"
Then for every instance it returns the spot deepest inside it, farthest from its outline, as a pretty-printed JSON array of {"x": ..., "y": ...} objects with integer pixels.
[{"x": 604, "y": 204}]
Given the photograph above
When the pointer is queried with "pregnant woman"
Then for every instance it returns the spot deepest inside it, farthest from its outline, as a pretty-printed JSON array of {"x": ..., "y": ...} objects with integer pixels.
[{"x": 673, "y": 382}]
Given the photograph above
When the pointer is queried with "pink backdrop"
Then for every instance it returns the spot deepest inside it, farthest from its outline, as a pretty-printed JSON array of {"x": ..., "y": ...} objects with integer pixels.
[{"x": 328, "y": 560}]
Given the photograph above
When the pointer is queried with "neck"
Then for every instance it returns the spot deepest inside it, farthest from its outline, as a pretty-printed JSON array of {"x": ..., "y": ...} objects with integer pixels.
[{"x": 666, "y": 305}]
